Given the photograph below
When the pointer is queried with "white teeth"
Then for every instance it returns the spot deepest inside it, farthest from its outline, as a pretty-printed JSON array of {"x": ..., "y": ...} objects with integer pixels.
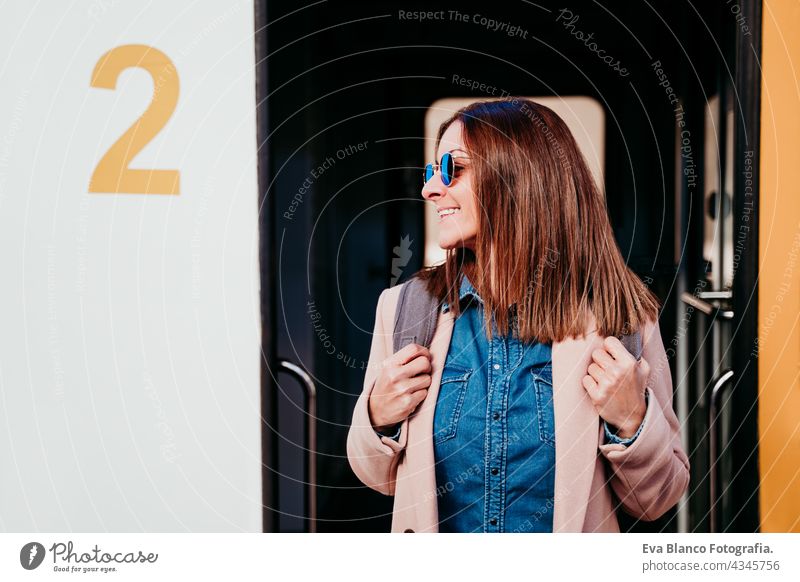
[{"x": 448, "y": 211}]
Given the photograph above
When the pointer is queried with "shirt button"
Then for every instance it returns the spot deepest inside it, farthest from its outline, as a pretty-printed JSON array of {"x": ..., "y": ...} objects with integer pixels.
[
  {"x": 496, "y": 416},
  {"x": 495, "y": 471},
  {"x": 496, "y": 366},
  {"x": 493, "y": 521}
]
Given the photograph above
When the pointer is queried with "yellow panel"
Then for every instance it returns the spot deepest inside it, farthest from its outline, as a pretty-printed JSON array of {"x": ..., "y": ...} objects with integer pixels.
[{"x": 779, "y": 256}]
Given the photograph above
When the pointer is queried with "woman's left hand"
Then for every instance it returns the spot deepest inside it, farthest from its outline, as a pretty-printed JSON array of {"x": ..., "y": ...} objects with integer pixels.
[{"x": 615, "y": 382}]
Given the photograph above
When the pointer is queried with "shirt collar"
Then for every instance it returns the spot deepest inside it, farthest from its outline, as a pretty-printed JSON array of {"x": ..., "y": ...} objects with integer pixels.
[{"x": 466, "y": 289}]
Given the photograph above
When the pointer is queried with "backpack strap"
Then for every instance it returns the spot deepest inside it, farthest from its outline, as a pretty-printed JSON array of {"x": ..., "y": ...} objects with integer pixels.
[
  {"x": 416, "y": 315},
  {"x": 633, "y": 343},
  {"x": 418, "y": 311}
]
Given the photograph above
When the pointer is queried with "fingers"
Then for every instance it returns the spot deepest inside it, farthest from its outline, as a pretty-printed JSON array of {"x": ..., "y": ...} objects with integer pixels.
[
  {"x": 590, "y": 384},
  {"x": 419, "y": 365},
  {"x": 410, "y": 352},
  {"x": 614, "y": 359},
  {"x": 420, "y": 382},
  {"x": 603, "y": 358},
  {"x": 618, "y": 351},
  {"x": 409, "y": 369},
  {"x": 418, "y": 396},
  {"x": 644, "y": 366},
  {"x": 597, "y": 373},
  {"x": 397, "y": 361},
  {"x": 398, "y": 374}
]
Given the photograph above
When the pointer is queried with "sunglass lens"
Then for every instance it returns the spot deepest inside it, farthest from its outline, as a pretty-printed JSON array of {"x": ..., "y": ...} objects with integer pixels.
[
  {"x": 448, "y": 169},
  {"x": 428, "y": 172}
]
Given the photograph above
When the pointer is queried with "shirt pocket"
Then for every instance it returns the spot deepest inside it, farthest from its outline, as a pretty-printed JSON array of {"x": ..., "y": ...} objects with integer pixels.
[
  {"x": 449, "y": 402},
  {"x": 543, "y": 386}
]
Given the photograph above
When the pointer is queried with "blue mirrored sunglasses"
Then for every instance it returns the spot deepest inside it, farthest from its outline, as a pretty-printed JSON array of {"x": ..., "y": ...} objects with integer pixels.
[{"x": 447, "y": 166}]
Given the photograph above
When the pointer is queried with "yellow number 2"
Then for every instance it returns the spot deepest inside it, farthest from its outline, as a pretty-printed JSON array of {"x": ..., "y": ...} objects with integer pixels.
[{"x": 112, "y": 174}]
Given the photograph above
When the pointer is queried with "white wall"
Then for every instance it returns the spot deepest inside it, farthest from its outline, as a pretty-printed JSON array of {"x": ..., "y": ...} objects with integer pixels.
[{"x": 129, "y": 322}]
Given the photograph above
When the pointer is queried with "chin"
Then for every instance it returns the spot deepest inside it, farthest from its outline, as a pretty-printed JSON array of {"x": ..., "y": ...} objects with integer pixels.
[{"x": 449, "y": 244}]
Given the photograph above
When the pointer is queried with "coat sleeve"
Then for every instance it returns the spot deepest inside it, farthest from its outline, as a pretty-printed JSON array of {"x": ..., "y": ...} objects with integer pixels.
[
  {"x": 650, "y": 476},
  {"x": 372, "y": 457}
]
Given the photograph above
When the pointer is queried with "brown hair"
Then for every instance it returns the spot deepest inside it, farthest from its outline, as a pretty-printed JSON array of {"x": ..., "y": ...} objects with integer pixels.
[{"x": 544, "y": 244}]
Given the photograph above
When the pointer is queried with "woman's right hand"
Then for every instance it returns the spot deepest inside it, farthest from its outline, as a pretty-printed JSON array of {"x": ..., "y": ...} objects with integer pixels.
[{"x": 401, "y": 385}]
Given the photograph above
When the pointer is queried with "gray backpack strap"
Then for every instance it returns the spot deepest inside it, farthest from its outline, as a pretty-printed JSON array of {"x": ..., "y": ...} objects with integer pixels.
[
  {"x": 418, "y": 311},
  {"x": 416, "y": 315},
  {"x": 633, "y": 343}
]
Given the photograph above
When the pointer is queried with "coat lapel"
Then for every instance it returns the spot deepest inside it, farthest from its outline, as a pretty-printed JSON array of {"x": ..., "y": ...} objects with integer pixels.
[
  {"x": 420, "y": 431},
  {"x": 577, "y": 425}
]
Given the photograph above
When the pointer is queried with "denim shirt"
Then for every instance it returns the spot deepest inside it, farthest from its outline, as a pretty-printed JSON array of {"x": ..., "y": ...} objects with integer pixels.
[{"x": 494, "y": 429}]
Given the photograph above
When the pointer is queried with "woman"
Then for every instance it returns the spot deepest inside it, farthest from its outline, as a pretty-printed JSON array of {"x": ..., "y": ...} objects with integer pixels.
[{"x": 526, "y": 414}]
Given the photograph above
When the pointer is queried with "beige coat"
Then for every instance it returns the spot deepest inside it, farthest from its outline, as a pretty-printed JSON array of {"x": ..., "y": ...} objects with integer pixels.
[{"x": 648, "y": 477}]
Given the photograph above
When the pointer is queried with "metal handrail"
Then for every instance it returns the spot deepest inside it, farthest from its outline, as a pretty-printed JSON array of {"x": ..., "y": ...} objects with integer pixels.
[
  {"x": 713, "y": 412},
  {"x": 311, "y": 437},
  {"x": 705, "y": 306}
]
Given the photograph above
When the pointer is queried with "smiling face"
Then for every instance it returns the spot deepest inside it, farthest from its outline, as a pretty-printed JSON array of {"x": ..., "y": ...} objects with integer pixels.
[{"x": 455, "y": 204}]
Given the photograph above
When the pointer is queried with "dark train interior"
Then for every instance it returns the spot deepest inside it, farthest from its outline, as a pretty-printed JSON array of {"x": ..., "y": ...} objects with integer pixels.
[{"x": 344, "y": 89}]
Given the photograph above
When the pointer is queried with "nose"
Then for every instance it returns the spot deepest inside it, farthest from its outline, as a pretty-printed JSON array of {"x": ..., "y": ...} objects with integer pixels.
[{"x": 434, "y": 188}]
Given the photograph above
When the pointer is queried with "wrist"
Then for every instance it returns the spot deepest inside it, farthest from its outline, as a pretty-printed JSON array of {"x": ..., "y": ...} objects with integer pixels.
[
  {"x": 627, "y": 431},
  {"x": 631, "y": 425},
  {"x": 376, "y": 423}
]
